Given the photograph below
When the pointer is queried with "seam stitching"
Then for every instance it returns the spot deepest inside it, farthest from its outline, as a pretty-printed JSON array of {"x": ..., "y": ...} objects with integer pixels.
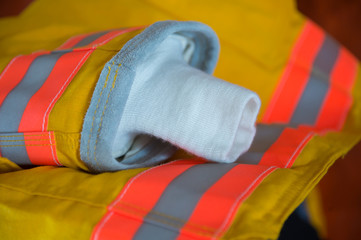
[{"x": 62, "y": 87}]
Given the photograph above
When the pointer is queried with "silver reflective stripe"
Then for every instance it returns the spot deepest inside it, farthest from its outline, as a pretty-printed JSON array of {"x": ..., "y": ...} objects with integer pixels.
[
  {"x": 179, "y": 200},
  {"x": 307, "y": 109},
  {"x": 153, "y": 149},
  {"x": 89, "y": 39},
  {"x": 318, "y": 84},
  {"x": 12, "y": 109},
  {"x": 265, "y": 136},
  {"x": 12, "y": 147}
]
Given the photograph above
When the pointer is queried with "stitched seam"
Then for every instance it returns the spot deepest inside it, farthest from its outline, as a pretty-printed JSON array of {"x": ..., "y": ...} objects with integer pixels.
[
  {"x": 342, "y": 118},
  {"x": 123, "y": 193},
  {"x": 213, "y": 231},
  {"x": 62, "y": 47},
  {"x": 62, "y": 87},
  {"x": 95, "y": 111},
  {"x": 181, "y": 221},
  {"x": 285, "y": 75},
  {"x": 109, "y": 213},
  {"x": 298, "y": 150},
  {"x": 94, "y": 114},
  {"x": 84, "y": 35},
  {"x": 25, "y": 135},
  {"x": 224, "y": 42},
  {"x": 93, "y": 47},
  {"x": 102, "y": 116},
  {"x": 27, "y": 145},
  {"x": 55, "y": 159}
]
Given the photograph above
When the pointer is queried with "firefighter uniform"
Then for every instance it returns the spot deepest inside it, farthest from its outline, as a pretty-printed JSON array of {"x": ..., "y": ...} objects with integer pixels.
[{"x": 60, "y": 52}]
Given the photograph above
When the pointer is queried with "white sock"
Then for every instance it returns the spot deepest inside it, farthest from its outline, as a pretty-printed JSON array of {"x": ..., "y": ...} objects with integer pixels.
[{"x": 189, "y": 108}]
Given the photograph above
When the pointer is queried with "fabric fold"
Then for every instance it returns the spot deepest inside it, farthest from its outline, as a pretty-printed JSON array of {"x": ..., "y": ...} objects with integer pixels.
[{"x": 157, "y": 94}]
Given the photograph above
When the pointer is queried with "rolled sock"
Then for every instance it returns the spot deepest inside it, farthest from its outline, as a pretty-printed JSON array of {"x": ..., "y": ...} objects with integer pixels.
[{"x": 189, "y": 108}]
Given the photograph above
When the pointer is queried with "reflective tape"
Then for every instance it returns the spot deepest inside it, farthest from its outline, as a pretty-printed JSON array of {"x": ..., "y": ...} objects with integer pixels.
[
  {"x": 169, "y": 199},
  {"x": 179, "y": 200},
  {"x": 12, "y": 146},
  {"x": 136, "y": 200},
  {"x": 14, "y": 73},
  {"x": 93, "y": 40},
  {"x": 29, "y": 148},
  {"x": 276, "y": 145},
  {"x": 89, "y": 39},
  {"x": 313, "y": 96},
  {"x": 266, "y": 135},
  {"x": 295, "y": 76},
  {"x": 81, "y": 40},
  {"x": 215, "y": 210},
  {"x": 109, "y": 36},
  {"x": 183, "y": 211}
]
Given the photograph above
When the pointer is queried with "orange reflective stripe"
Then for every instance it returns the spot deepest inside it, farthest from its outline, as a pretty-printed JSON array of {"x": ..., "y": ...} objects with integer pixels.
[
  {"x": 109, "y": 36},
  {"x": 36, "y": 113},
  {"x": 137, "y": 199},
  {"x": 14, "y": 73},
  {"x": 41, "y": 148},
  {"x": 216, "y": 209},
  {"x": 287, "y": 147},
  {"x": 295, "y": 76},
  {"x": 339, "y": 97}
]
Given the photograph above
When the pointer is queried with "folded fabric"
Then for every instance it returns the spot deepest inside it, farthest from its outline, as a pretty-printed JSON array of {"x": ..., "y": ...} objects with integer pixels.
[
  {"x": 185, "y": 106},
  {"x": 155, "y": 91}
]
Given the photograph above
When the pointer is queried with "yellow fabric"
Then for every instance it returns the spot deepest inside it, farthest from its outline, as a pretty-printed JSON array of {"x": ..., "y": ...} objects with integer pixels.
[{"x": 256, "y": 38}]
